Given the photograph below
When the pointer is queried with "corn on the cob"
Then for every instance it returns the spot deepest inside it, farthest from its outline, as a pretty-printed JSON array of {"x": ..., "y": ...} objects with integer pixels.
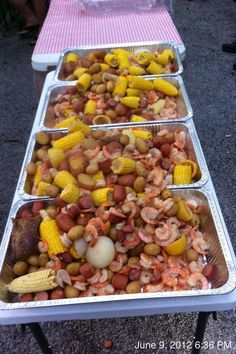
[
  {"x": 184, "y": 212},
  {"x": 130, "y": 101},
  {"x": 91, "y": 57},
  {"x": 165, "y": 87},
  {"x": 120, "y": 86},
  {"x": 72, "y": 57},
  {"x": 98, "y": 176},
  {"x": 165, "y": 57},
  {"x": 79, "y": 72},
  {"x": 41, "y": 280},
  {"x": 65, "y": 123},
  {"x": 123, "y": 61},
  {"x": 158, "y": 106},
  {"x": 77, "y": 125},
  {"x": 143, "y": 134},
  {"x": 63, "y": 178},
  {"x": 38, "y": 176},
  {"x": 118, "y": 51},
  {"x": 68, "y": 141},
  {"x": 139, "y": 83},
  {"x": 41, "y": 188},
  {"x": 123, "y": 165},
  {"x": 73, "y": 252},
  {"x": 132, "y": 92},
  {"x": 90, "y": 107},
  {"x": 56, "y": 156},
  {"x": 154, "y": 68},
  {"x": 130, "y": 134},
  {"x": 135, "y": 118},
  {"x": 67, "y": 112},
  {"x": 84, "y": 82},
  {"x": 102, "y": 195},
  {"x": 136, "y": 70},
  {"x": 182, "y": 174},
  {"x": 112, "y": 60},
  {"x": 104, "y": 66},
  {"x": 144, "y": 58},
  {"x": 50, "y": 233},
  {"x": 70, "y": 194},
  {"x": 192, "y": 164}
]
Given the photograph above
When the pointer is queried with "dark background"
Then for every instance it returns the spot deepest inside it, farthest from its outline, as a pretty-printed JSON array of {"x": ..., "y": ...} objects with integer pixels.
[{"x": 211, "y": 85}]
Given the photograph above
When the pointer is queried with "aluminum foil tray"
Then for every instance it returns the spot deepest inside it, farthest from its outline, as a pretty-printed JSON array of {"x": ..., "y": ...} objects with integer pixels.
[
  {"x": 138, "y": 46},
  {"x": 219, "y": 255},
  {"x": 192, "y": 147},
  {"x": 184, "y": 109}
]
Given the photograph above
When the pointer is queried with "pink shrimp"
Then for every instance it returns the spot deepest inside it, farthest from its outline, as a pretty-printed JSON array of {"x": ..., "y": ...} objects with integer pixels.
[
  {"x": 150, "y": 262},
  {"x": 117, "y": 213},
  {"x": 120, "y": 248},
  {"x": 198, "y": 281},
  {"x": 162, "y": 233},
  {"x": 80, "y": 285},
  {"x": 166, "y": 112},
  {"x": 63, "y": 277},
  {"x": 101, "y": 104},
  {"x": 149, "y": 215},
  {"x": 147, "y": 238},
  {"x": 90, "y": 154},
  {"x": 57, "y": 261},
  {"x": 90, "y": 233},
  {"x": 103, "y": 212},
  {"x": 157, "y": 176},
  {"x": 152, "y": 97},
  {"x": 109, "y": 155},
  {"x": 60, "y": 106},
  {"x": 195, "y": 267},
  {"x": 117, "y": 264},
  {"x": 106, "y": 290},
  {"x": 129, "y": 207},
  {"x": 132, "y": 240},
  {"x": 95, "y": 278},
  {"x": 42, "y": 246},
  {"x": 195, "y": 233},
  {"x": 86, "y": 293},
  {"x": 200, "y": 245},
  {"x": 145, "y": 277},
  {"x": 171, "y": 105},
  {"x": 170, "y": 276},
  {"x": 153, "y": 288},
  {"x": 180, "y": 140}
]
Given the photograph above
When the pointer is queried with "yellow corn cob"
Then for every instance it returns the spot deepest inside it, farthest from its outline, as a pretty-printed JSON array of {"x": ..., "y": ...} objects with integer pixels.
[
  {"x": 158, "y": 106},
  {"x": 120, "y": 86},
  {"x": 141, "y": 195},
  {"x": 130, "y": 101},
  {"x": 118, "y": 51},
  {"x": 102, "y": 195},
  {"x": 184, "y": 212},
  {"x": 98, "y": 176},
  {"x": 56, "y": 156},
  {"x": 49, "y": 232},
  {"x": 154, "y": 68},
  {"x": 79, "y": 72},
  {"x": 41, "y": 188},
  {"x": 70, "y": 193},
  {"x": 90, "y": 107},
  {"x": 104, "y": 66},
  {"x": 84, "y": 82},
  {"x": 77, "y": 125},
  {"x": 143, "y": 134},
  {"x": 64, "y": 123},
  {"x": 139, "y": 83},
  {"x": 135, "y": 118},
  {"x": 91, "y": 57},
  {"x": 182, "y": 174},
  {"x": 63, "y": 178},
  {"x": 72, "y": 57},
  {"x": 123, "y": 165},
  {"x": 143, "y": 58},
  {"x": 192, "y": 164},
  {"x": 165, "y": 87},
  {"x": 111, "y": 60},
  {"x": 67, "y": 112},
  {"x": 38, "y": 176},
  {"x": 41, "y": 280},
  {"x": 68, "y": 141},
  {"x": 165, "y": 57},
  {"x": 132, "y": 92},
  {"x": 136, "y": 70},
  {"x": 130, "y": 134},
  {"x": 123, "y": 61},
  {"x": 73, "y": 252}
]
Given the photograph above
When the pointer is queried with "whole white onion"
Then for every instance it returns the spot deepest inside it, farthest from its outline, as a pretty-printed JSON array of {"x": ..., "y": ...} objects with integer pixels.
[
  {"x": 102, "y": 254},
  {"x": 81, "y": 247}
]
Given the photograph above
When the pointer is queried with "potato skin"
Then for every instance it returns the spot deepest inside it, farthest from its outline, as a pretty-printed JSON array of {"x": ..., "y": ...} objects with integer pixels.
[{"x": 119, "y": 281}]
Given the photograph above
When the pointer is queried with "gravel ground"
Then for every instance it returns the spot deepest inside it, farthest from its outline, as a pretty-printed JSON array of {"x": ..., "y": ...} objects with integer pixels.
[{"x": 210, "y": 83}]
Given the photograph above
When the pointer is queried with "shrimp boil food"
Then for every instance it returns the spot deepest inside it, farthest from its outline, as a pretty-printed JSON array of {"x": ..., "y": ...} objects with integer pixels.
[
  {"x": 104, "y": 98},
  {"x": 119, "y": 61},
  {"x": 112, "y": 226}
]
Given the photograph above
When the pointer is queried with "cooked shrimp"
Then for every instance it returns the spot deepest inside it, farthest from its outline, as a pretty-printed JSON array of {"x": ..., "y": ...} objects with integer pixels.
[
  {"x": 106, "y": 290},
  {"x": 86, "y": 293},
  {"x": 195, "y": 267},
  {"x": 147, "y": 238},
  {"x": 80, "y": 285},
  {"x": 129, "y": 206},
  {"x": 95, "y": 278},
  {"x": 103, "y": 212},
  {"x": 180, "y": 140},
  {"x": 145, "y": 277},
  {"x": 61, "y": 106},
  {"x": 192, "y": 203},
  {"x": 150, "y": 262},
  {"x": 162, "y": 233},
  {"x": 170, "y": 277},
  {"x": 65, "y": 240},
  {"x": 195, "y": 233},
  {"x": 90, "y": 154},
  {"x": 104, "y": 276},
  {"x": 200, "y": 245},
  {"x": 153, "y": 288},
  {"x": 108, "y": 155},
  {"x": 63, "y": 277},
  {"x": 42, "y": 246},
  {"x": 198, "y": 281},
  {"x": 90, "y": 233},
  {"x": 173, "y": 221},
  {"x": 149, "y": 215}
]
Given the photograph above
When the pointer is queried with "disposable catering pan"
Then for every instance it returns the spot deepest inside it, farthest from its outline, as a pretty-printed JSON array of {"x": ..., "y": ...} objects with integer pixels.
[
  {"x": 192, "y": 147},
  {"x": 134, "y": 47},
  {"x": 184, "y": 109},
  {"x": 219, "y": 256}
]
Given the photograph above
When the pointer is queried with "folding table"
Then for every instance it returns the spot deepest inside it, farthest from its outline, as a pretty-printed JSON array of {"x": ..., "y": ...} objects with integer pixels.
[{"x": 66, "y": 26}]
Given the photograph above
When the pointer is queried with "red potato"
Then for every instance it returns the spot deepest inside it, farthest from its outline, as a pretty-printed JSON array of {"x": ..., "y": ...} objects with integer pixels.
[
  {"x": 78, "y": 105},
  {"x": 86, "y": 63},
  {"x": 59, "y": 202},
  {"x": 66, "y": 258},
  {"x": 41, "y": 296},
  {"x": 121, "y": 109},
  {"x": 83, "y": 220},
  {"x": 87, "y": 270},
  {"x": 37, "y": 206},
  {"x": 119, "y": 281},
  {"x": 71, "y": 210},
  {"x": 65, "y": 222},
  {"x": 119, "y": 193},
  {"x": 165, "y": 149},
  {"x": 111, "y": 103},
  {"x": 85, "y": 202},
  {"x": 127, "y": 180},
  {"x": 57, "y": 293},
  {"x": 26, "y": 297},
  {"x": 99, "y": 54},
  {"x": 105, "y": 165}
]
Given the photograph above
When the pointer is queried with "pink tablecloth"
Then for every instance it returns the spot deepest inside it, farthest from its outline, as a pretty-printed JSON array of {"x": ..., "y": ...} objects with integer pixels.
[{"x": 66, "y": 26}]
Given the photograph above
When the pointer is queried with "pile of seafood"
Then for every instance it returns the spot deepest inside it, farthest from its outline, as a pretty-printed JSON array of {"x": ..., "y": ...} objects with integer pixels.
[
  {"x": 104, "y": 98},
  {"x": 120, "y": 61}
]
